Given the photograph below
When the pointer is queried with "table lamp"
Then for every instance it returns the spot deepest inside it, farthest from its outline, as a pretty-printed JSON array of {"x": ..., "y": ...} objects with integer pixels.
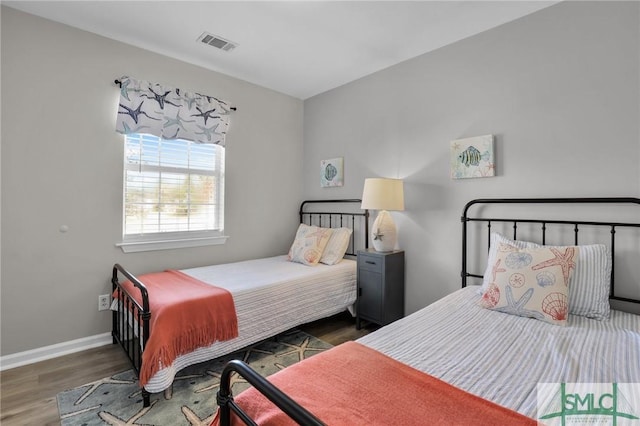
[{"x": 383, "y": 194}]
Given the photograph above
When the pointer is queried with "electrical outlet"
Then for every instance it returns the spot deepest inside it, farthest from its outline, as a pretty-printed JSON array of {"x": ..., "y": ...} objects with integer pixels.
[{"x": 104, "y": 302}]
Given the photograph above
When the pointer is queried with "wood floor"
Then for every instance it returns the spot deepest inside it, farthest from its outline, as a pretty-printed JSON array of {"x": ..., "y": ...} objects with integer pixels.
[{"x": 28, "y": 394}]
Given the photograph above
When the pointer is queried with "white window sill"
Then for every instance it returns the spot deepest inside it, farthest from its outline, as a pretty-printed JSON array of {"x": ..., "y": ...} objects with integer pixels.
[{"x": 138, "y": 246}]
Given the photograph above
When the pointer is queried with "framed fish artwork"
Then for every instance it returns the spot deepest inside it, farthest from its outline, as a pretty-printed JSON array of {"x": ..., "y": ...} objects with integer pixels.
[
  {"x": 331, "y": 172},
  {"x": 472, "y": 157}
]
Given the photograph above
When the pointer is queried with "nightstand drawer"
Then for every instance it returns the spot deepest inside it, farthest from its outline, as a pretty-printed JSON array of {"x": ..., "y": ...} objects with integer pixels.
[{"x": 370, "y": 263}]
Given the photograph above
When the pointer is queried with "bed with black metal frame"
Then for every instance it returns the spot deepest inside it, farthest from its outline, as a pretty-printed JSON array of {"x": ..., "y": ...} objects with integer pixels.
[
  {"x": 385, "y": 341},
  {"x": 131, "y": 317}
]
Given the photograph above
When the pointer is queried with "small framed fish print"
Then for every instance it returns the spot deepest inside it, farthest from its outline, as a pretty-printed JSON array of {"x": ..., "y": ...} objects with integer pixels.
[
  {"x": 331, "y": 172},
  {"x": 472, "y": 157}
]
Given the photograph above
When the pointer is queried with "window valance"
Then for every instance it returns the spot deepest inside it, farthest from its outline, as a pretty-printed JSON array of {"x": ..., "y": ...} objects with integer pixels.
[{"x": 171, "y": 113}]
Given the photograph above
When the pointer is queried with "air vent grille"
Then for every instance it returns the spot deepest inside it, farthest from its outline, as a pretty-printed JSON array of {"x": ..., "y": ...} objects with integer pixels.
[{"x": 217, "y": 42}]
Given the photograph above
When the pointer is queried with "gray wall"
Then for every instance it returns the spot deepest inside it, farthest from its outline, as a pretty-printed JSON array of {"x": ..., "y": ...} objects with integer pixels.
[
  {"x": 62, "y": 165},
  {"x": 559, "y": 89}
]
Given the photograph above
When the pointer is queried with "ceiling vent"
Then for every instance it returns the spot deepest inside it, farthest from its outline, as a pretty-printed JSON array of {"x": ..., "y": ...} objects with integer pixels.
[{"x": 216, "y": 41}]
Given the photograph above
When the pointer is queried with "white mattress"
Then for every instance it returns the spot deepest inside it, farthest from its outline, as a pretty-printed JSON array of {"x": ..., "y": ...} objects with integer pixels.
[
  {"x": 503, "y": 357},
  {"x": 271, "y": 295}
]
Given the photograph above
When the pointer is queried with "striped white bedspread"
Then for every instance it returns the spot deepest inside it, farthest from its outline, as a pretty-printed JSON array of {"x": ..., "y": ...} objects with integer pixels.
[
  {"x": 502, "y": 357},
  {"x": 271, "y": 295}
]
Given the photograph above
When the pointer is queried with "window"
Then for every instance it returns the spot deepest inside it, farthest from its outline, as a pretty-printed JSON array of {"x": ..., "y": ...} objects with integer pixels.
[{"x": 173, "y": 193}]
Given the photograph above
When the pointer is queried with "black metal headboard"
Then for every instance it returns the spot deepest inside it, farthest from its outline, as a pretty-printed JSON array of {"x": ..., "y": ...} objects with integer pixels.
[
  {"x": 576, "y": 224},
  {"x": 336, "y": 214}
]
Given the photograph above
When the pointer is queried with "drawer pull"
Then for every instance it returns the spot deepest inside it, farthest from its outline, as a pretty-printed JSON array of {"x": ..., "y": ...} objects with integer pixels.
[{"x": 370, "y": 262}]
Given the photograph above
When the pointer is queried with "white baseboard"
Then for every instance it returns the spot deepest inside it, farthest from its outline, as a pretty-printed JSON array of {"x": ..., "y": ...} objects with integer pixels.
[{"x": 59, "y": 349}]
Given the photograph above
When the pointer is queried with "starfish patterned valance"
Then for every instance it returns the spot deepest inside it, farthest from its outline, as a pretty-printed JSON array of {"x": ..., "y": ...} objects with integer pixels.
[{"x": 171, "y": 113}]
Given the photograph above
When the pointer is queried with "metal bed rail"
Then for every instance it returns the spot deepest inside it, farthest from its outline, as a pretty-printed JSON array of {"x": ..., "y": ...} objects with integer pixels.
[
  {"x": 332, "y": 219},
  {"x": 130, "y": 321},
  {"x": 225, "y": 401},
  {"x": 612, "y": 226}
]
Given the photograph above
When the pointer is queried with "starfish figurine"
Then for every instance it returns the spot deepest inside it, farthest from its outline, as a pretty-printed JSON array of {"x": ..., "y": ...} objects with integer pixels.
[
  {"x": 564, "y": 260},
  {"x": 377, "y": 235}
]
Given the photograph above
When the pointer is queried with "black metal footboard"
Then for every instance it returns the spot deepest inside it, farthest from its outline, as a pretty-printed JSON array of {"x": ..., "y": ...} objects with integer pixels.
[
  {"x": 226, "y": 403},
  {"x": 130, "y": 321}
]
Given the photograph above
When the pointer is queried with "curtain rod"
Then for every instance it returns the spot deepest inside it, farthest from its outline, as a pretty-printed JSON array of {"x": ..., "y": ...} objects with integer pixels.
[{"x": 119, "y": 83}]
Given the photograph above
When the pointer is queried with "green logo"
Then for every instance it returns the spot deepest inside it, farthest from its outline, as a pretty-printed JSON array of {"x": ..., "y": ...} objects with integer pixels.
[{"x": 589, "y": 403}]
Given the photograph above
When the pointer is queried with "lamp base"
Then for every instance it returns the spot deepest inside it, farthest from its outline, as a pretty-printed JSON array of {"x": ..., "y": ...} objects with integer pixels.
[{"x": 384, "y": 233}]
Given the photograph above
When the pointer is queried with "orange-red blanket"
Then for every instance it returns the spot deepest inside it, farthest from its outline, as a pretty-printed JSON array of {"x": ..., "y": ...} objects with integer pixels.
[
  {"x": 352, "y": 384},
  {"x": 185, "y": 314}
]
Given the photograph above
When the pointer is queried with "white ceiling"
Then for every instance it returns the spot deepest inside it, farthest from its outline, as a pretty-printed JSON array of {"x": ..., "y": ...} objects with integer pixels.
[{"x": 300, "y": 48}]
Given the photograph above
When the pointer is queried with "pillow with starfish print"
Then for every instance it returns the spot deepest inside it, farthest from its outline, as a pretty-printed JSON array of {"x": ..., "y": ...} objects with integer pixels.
[
  {"x": 531, "y": 282},
  {"x": 590, "y": 282},
  {"x": 309, "y": 244}
]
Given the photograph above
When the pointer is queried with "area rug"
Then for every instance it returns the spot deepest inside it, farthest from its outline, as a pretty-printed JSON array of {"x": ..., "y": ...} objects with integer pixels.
[{"x": 117, "y": 400}]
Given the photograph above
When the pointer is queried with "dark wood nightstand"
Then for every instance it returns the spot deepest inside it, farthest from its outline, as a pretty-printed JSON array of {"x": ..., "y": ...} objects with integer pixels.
[{"x": 380, "y": 286}]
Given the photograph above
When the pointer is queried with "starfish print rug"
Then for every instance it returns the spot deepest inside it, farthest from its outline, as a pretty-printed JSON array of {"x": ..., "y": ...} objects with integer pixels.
[{"x": 191, "y": 400}]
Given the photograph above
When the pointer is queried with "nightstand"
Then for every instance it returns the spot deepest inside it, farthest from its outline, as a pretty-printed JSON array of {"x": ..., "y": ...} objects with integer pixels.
[{"x": 380, "y": 286}]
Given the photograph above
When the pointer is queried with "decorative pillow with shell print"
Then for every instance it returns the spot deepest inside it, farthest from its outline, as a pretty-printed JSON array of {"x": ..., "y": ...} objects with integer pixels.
[
  {"x": 309, "y": 244},
  {"x": 531, "y": 282}
]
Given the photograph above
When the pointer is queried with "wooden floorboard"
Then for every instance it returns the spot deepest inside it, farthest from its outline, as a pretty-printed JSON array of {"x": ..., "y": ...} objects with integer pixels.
[{"x": 28, "y": 394}]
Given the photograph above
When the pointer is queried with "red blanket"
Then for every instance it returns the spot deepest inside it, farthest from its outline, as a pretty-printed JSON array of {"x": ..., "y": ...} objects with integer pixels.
[
  {"x": 185, "y": 314},
  {"x": 352, "y": 384}
]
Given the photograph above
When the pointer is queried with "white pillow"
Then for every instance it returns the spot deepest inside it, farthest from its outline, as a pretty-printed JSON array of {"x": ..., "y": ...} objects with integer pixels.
[
  {"x": 531, "y": 282},
  {"x": 309, "y": 244},
  {"x": 337, "y": 246},
  {"x": 590, "y": 282}
]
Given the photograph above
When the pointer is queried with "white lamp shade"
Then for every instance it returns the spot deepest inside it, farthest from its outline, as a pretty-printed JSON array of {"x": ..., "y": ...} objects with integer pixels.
[{"x": 383, "y": 194}]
